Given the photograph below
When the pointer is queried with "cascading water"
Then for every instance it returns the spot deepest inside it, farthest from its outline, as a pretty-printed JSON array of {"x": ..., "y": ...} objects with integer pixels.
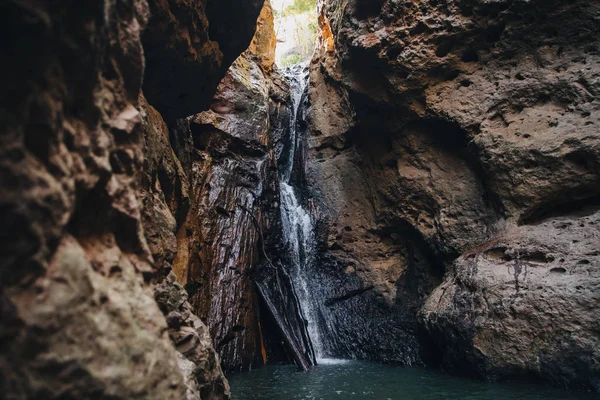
[{"x": 298, "y": 228}]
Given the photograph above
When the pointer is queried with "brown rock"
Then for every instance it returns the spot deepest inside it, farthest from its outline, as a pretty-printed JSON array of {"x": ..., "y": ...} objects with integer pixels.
[
  {"x": 524, "y": 303},
  {"x": 78, "y": 316},
  {"x": 200, "y": 366},
  {"x": 453, "y": 125},
  {"x": 78, "y": 320},
  {"x": 194, "y": 184},
  {"x": 230, "y": 172},
  {"x": 264, "y": 42},
  {"x": 189, "y": 45},
  {"x": 165, "y": 190}
]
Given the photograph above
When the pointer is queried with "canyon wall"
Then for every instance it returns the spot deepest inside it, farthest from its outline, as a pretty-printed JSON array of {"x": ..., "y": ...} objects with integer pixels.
[
  {"x": 88, "y": 214},
  {"x": 211, "y": 204},
  {"x": 456, "y": 143},
  {"x": 447, "y": 151}
]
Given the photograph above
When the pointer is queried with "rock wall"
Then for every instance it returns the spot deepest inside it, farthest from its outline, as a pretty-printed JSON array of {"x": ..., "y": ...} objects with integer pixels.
[
  {"x": 87, "y": 209},
  {"x": 231, "y": 175},
  {"x": 211, "y": 191},
  {"x": 78, "y": 319},
  {"x": 165, "y": 197},
  {"x": 461, "y": 138},
  {"x": 450, "y": 153},
  {"x": 189, "y": 46}
]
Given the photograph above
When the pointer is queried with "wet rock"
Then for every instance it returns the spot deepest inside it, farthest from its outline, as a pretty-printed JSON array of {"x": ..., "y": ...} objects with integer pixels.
[
  {"x": 232, "y": 169},
  {"x": 209, "y": 179},
  {"x": 451, "y": 125}
]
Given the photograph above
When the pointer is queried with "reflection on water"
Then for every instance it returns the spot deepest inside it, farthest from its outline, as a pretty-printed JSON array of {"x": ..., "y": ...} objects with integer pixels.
[{"x": 339, "y": 379}]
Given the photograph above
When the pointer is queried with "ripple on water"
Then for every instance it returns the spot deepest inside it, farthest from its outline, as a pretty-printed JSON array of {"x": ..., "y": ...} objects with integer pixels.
[{"x": 345, "y": 379}]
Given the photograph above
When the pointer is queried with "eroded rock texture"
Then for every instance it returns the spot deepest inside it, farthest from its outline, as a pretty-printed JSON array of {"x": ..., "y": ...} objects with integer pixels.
[
  {"x": 525, "y": 303},
  {"x": 189, "y": 46},
  {"x": 210, "y": 186},
  {"x": 81, "y": 287},
  {"x": 165, "y": 196},
  {"x": 461, "y": 136},
  {"x": 78, "y": 319}
]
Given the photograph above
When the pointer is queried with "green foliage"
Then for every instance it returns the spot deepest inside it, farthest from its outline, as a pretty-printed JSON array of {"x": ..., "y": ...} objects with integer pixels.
[
  {"x": 291, "y": 59},
  {"x": 300, "y": 7},
  {"x": 300, "y": 21}
]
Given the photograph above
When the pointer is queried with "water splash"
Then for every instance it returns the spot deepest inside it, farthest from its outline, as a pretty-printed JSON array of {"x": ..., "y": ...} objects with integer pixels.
[
  {"x": 298, "y": 227},
  {"x": 332, "y": 361}
]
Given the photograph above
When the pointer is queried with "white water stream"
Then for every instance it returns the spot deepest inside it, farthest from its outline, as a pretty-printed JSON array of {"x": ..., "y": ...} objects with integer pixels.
[{"x": 298, "y": 227}]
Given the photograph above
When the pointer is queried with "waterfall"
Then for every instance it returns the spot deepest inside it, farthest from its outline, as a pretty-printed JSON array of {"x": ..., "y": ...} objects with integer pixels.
[{"x": 298, "y": 227}]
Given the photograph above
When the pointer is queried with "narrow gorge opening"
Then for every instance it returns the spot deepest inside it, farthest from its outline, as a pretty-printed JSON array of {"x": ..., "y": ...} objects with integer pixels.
[
  {"x": 369, "y": 284},
  {"x": 296, "y": 28},
  {"x": 291, "y": 199}
]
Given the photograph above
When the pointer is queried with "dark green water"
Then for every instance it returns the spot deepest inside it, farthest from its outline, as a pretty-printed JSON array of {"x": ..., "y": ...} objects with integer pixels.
[{"x": 363, "y": 380}]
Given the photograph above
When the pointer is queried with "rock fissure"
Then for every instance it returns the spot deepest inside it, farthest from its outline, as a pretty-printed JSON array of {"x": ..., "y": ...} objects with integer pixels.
[{"x": 423, "y": 191}]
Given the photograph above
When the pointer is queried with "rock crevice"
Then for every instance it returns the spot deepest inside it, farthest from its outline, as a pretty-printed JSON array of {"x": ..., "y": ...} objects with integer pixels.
[{"x": 447, "y": 152}]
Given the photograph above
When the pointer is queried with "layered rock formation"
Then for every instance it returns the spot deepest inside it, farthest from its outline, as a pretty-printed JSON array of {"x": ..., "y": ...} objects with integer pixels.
[
  {"x": 79, "y": 317},
  {"x": 448, "y": 152},
  {"x": 462, "y": 136},
  {"x": 211, "y": 191}
]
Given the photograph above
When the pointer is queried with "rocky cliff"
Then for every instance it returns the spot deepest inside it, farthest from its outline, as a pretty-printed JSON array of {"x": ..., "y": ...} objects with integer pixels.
[
  {"x": 446, "y": 152},
  {"x": 211, "y": 209},
  {"x": 87, "y": 209},
  {"x": 460, "y": 138}
]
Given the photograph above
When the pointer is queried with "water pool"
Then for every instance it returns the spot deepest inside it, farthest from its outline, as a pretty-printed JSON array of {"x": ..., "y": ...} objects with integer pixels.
[{"x": 341, "y": 379}]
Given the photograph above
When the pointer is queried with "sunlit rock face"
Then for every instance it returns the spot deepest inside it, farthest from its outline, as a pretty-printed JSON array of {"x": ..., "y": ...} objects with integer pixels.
[
  {"x": 210, "y": 188},
  {"x": 263, "y": 45},
  {"x": 467, "y": 130}
]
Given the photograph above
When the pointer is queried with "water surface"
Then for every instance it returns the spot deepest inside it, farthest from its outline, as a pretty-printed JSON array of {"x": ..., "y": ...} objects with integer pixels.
[{"x": 340, "y": 380}]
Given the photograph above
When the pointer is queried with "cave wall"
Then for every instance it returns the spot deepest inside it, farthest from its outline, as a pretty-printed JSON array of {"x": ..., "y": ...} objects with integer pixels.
[
  {"x": 466, "y": 130},
  {"x": 451, "y": 157},
  {"x": 189, "y": 45},
  {"x": 90, "y": 306},
  {"x": 210, "y": 188}
]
